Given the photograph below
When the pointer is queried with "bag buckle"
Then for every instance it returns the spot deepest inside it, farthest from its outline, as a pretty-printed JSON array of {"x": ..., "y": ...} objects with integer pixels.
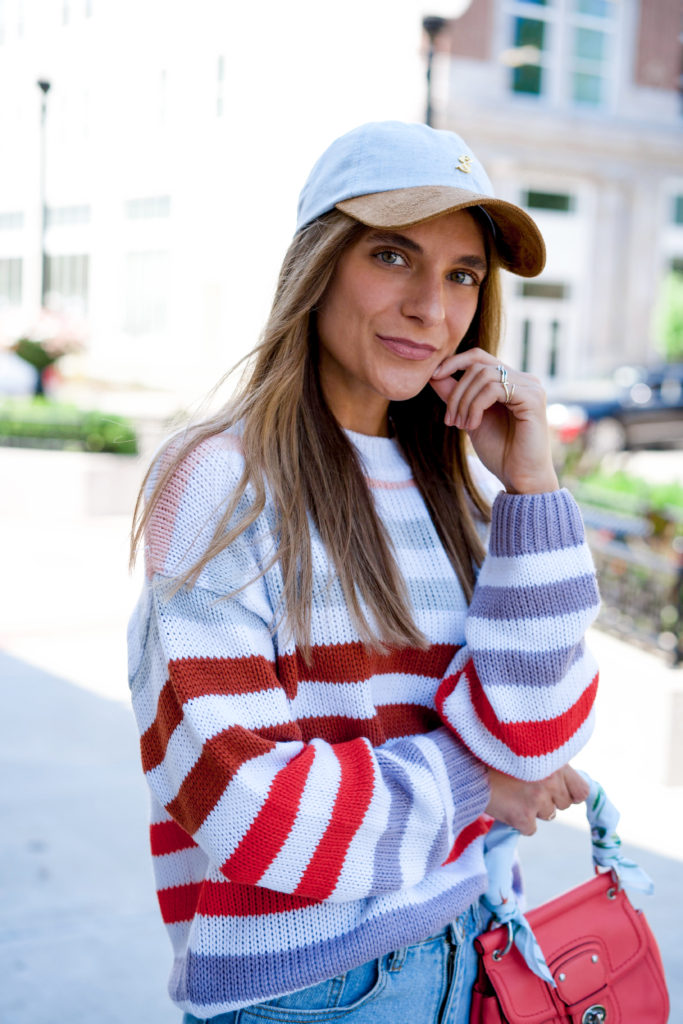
[
  {"x": 498, "y": 954},
  {"x": 594, "y": 1015}
]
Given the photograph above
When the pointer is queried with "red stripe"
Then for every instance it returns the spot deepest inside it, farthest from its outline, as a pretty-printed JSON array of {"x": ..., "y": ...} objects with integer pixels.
[
  {"x": 179, "y": 903},
  {"x": 269, "y": 830},
  {"x": 334, "y": 663},
  {"x": 389, "y": 722},
  {"x": 204, "y": 784},
  {"x": 353, "y": 798},
  {"x": 479, "y": 827},
  {"x": 154, "y": 740},
  {"x": 522, "y": 738},
  {"x": 169, "y": 837},
  {"x": 353, "y": 662},
  {"x": 230, "y": 899}
]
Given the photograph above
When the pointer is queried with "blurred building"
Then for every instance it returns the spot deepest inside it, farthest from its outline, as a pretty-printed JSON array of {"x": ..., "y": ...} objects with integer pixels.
[
  {"x": 573, "y": 107},
  {"x": 137, "y": 144}
]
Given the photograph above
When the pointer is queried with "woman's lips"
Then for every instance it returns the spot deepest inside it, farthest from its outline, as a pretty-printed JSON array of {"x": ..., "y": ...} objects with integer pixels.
[{"x": 406, "y": 348}]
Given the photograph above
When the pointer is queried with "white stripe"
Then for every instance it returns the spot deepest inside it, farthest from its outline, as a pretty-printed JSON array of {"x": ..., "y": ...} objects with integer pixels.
[
  {"x": 536, "y": 569},
  {"x": 402, "y": 688},
  {"x": 182, "y": 753},
  {"x": 145, "y": 700},
  {"x": 494, "y": 752},
  {"x": 433, "y": 755},
  {"x": 527, "y": 635},
  {"x": 223, "y": 829},
  {"x": 201, "y": 624},
  {"x": 312, "y": 820},
  {"x": 180, "y": 868},
  {"x": 326, "y": 700},
  {"x": 536, "y": 703},
  {"x": 212, "y": 713},
  {"x": 359, "y": 869}
]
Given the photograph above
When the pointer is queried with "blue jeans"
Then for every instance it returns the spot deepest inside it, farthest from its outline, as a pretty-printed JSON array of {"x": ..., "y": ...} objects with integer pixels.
[{"x": 426, "y": 983}]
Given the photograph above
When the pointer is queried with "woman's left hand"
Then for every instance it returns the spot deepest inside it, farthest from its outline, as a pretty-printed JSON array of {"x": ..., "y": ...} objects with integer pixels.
[{"x": 508, "y": 428}]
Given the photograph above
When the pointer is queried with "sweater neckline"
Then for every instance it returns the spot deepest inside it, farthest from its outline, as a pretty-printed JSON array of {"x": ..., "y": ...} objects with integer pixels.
[{"x": 382, "y": 457}]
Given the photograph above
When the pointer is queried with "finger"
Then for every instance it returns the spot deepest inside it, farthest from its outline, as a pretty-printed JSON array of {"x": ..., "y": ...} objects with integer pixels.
[
  {"x": 577, "y": 786},
  {"x": 461, "y": 360},
  {"x": 480, "y": 391}
]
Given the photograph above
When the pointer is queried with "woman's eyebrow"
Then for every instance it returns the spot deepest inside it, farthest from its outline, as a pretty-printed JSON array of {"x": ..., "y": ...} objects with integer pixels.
[{"x": 394, "y": 238}]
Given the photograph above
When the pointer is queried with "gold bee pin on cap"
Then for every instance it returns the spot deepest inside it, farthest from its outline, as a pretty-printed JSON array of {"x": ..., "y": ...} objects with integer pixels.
[{"x": 464, "y": 164}]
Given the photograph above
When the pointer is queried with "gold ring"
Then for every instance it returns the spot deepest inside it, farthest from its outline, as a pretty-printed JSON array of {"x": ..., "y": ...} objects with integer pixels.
[{"x": 509, "y": 390}]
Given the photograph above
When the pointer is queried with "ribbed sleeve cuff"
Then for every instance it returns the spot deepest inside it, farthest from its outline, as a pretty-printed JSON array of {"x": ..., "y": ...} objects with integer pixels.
[
  {"x": 533, "y": 523},
  {"x": 468, "y": 778}
]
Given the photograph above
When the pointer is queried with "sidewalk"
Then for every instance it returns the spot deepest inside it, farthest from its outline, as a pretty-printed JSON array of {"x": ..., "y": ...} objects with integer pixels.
[{"x": 80, "y": 934}]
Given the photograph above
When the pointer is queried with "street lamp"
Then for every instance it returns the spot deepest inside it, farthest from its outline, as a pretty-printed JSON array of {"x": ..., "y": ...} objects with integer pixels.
[
  {"x": 433, "y": 25},
  {"x": 44, "y": 88}
]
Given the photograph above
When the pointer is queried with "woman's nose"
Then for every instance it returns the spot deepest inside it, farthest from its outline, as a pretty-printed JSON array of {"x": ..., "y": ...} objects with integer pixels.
[{"x": 424, "y": 301}]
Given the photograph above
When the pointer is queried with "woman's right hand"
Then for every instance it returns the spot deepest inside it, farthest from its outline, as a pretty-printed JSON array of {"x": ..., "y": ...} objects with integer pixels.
[{"x": 520, "y": 804}]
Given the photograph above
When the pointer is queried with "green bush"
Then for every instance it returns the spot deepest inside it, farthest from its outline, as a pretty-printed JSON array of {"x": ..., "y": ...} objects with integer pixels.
[
  {"x": 42, "y": 423},
  {"x": 623, "y": 489}
]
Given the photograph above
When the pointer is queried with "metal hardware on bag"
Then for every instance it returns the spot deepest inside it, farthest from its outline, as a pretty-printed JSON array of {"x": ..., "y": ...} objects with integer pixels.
[
  {"x": 595, "y": 958},
  {"x": 562, "y": 977},
  {"x": 498, "y": 954},
  {"x": 594, "y": 1015}
]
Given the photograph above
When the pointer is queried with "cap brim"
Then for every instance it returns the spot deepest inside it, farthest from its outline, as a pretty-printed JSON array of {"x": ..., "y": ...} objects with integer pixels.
[{"x": 519, "y": 243}]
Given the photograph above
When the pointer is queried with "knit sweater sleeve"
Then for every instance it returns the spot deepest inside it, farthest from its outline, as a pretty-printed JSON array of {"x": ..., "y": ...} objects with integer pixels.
[
  {"x": 520, "y": 692},
  {"x": 220, "y": 713}
]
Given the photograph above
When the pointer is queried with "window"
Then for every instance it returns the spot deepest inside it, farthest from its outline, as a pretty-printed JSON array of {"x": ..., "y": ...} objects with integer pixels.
[
  {"x": 146, "y": 292},
  {"x": 60, "y": 216},
  {"x": 12, "y": 221},
  {"x": 152, "y": 206},
  {"x": 66, "y": 277},
  {"x": 10, "y": 282},
  {"x": 529, "y": 43},
  {"x": 678, "y": 210},
  {"x": 543, "y": 290},
  {"x": 559, "y": 202},
  {"x": 563, "y": 50}
]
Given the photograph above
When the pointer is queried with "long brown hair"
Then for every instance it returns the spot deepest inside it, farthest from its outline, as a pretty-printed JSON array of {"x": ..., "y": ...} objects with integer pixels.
[{"x": 294, "y": 447}]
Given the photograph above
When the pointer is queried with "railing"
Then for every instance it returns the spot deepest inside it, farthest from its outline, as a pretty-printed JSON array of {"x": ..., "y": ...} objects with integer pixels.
[{"x": 642, "y": 590}]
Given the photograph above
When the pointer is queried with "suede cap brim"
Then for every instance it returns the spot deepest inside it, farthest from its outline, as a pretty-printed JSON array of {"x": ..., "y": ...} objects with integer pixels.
[{"x": 518, "y": 241}]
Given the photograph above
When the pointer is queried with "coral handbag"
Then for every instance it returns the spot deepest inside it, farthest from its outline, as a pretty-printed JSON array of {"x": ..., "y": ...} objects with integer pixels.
[{"x": 597, "y": 956}]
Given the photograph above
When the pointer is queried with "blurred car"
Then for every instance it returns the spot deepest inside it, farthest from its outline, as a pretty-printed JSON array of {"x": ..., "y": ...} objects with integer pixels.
[{"x": 636, "y": 407}]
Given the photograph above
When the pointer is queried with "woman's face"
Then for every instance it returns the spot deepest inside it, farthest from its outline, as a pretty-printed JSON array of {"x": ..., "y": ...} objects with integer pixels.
[{"x": 398, "y": 304}]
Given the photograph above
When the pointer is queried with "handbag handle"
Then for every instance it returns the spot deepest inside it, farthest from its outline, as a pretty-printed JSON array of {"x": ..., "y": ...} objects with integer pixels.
[{"x": 500, "y": 847}]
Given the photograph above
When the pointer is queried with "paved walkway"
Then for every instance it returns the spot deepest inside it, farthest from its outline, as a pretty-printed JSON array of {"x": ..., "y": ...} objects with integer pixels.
[{"x": 80, "y": 936}]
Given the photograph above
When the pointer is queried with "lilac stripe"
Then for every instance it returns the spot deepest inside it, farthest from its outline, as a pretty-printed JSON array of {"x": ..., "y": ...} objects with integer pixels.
[
  {"x": 533, "y": 523},
  {"x": 539, "y": 669},
  {"x": 534, "y": 602},
  {"x": 387, "y": 866},
  {"x": 204, "y": 980}
]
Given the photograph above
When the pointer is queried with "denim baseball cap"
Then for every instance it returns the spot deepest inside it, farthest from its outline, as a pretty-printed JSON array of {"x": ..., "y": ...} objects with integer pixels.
[{"x": 388, "y": 174}]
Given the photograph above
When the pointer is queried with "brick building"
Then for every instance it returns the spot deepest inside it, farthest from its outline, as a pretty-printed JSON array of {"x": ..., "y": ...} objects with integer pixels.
[{"x": 573, "y": 106}]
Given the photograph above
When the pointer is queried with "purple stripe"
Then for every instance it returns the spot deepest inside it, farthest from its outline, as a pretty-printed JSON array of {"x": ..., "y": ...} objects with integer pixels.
[
  {"x": 533, "y": 523},
  {"x": 539, "y": 669},
  {"x": 203, "y": 980},
  {"x": 560, "y": 598}
]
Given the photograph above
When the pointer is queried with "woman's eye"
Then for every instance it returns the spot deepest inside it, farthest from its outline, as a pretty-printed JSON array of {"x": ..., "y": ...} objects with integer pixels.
[
  {"x": 394, "y": 259},
  {"x": 463, "y": 277}
]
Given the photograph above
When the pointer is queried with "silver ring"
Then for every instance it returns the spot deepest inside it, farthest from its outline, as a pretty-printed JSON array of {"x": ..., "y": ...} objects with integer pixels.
[{"x": 503, "y": 373}]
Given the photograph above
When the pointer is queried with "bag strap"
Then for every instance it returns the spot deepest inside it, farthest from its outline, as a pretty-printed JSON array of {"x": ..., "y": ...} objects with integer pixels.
[{"x": 500, "y": 847}]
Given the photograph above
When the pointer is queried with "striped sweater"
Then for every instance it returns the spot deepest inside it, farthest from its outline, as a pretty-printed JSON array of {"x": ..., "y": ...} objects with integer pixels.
[{"x": 308, "y": 818}]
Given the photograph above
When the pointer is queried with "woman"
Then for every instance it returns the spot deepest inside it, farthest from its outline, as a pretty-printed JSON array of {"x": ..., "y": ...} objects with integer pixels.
[{"x": 336, "y": 690}]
